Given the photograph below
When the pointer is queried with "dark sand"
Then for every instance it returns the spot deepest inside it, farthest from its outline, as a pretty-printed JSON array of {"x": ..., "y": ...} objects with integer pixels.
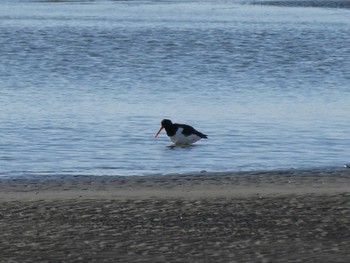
[{"x": 278, "y": 216}]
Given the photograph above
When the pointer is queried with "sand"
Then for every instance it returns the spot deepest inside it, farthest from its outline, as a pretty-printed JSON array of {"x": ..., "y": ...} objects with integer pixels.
[{"x": 261, "y": 216}]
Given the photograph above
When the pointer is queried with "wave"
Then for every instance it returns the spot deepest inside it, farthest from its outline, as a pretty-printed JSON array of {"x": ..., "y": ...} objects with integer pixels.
[{"x": 306, "y": 3}]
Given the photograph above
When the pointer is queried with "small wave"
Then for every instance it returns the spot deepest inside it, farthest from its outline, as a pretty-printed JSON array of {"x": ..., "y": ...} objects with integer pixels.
[{"x": 307, "y": 3}]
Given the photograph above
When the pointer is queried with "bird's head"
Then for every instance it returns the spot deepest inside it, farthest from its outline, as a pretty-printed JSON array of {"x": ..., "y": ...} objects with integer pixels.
[{"x": 163, "y": 124}]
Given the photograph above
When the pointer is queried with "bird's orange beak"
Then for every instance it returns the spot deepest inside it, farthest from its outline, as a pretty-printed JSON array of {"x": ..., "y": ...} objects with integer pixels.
[{"x": 160, "y": 129}]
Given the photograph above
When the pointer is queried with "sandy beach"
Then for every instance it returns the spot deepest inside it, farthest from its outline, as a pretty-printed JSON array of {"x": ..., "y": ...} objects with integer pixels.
[{"x": 261, "y": 216}]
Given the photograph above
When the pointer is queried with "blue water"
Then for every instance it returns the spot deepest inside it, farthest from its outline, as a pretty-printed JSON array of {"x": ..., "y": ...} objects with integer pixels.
[{"x": 85, "y": 84}]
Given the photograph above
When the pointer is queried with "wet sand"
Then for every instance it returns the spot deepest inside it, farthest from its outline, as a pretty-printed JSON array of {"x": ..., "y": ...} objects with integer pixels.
[{"x": 266, "y": 216}]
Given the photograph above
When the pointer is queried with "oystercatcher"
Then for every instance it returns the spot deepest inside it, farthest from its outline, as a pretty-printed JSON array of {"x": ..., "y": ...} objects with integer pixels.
[{"x": 180, "y": 134}]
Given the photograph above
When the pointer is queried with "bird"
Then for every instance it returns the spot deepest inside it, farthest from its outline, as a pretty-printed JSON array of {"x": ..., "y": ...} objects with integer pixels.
[{"x": 180, "y": 134}]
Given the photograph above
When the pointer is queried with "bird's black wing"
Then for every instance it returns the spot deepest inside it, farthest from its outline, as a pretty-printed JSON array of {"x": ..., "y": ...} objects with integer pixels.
[{"x": 188, "y": 130}]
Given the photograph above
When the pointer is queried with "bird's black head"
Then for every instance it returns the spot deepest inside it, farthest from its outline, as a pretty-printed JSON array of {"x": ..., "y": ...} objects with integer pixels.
[{"x": 166, "y": 123}]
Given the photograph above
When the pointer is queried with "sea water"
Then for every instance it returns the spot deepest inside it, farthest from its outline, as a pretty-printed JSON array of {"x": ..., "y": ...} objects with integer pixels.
[{"x": 85, "y": 84}]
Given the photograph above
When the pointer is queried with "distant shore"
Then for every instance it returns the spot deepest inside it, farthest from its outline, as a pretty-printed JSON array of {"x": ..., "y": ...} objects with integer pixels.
[{"x": 260, "y": 216}]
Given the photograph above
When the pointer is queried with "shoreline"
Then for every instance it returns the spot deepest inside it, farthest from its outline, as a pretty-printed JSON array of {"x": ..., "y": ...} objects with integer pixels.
[
  {"x": 187, "y": 185},
  {"x": 260, "y": 216}
]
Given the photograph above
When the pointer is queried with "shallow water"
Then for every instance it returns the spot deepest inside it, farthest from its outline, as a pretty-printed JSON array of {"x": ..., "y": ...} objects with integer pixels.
[{"x": 85, "y": 84}]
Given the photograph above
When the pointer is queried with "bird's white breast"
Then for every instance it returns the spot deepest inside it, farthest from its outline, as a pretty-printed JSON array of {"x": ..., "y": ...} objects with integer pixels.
[{"x": 180, "y": 139}]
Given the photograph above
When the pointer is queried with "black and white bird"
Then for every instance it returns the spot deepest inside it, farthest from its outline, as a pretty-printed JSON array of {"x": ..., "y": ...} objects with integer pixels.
[{"x": 180, "y": 134}]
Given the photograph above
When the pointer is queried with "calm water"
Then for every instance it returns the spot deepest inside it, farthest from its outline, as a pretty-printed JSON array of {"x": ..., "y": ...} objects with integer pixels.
[{"x": 84, "y": 85}]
